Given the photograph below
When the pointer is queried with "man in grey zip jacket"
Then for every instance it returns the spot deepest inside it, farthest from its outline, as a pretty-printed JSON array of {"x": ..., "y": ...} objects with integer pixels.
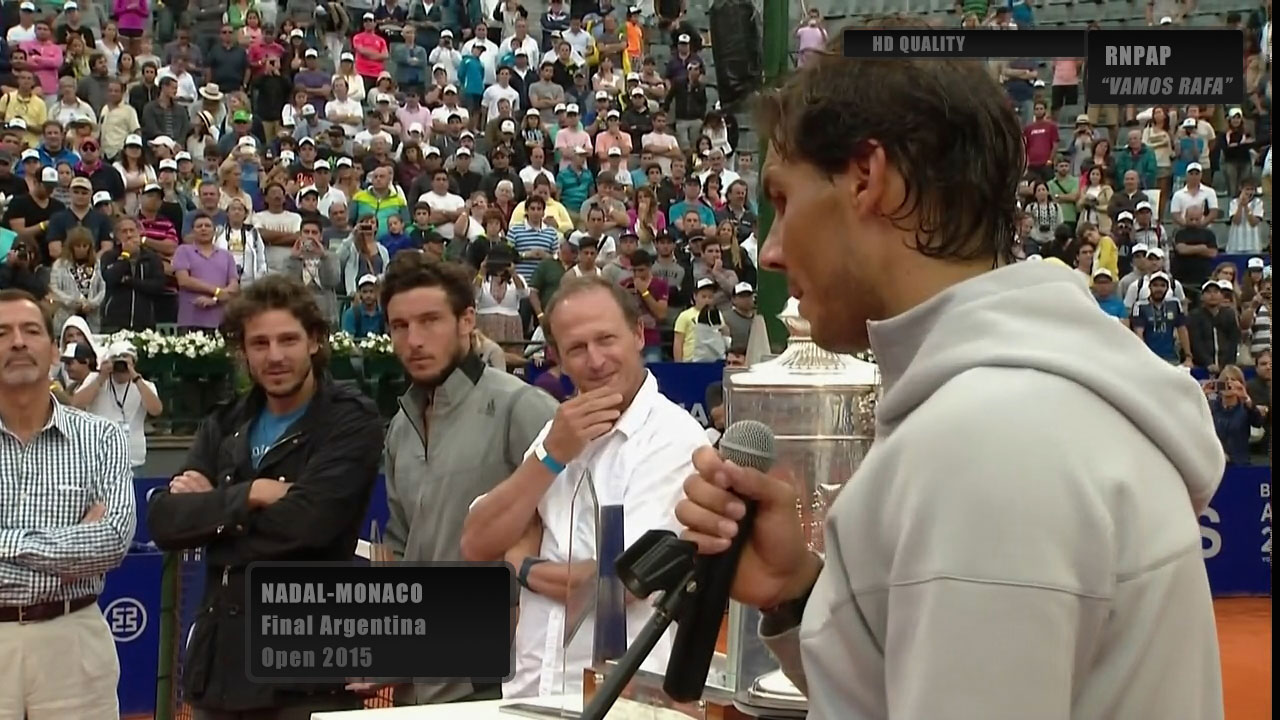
[{"x": 462, "y": 429}]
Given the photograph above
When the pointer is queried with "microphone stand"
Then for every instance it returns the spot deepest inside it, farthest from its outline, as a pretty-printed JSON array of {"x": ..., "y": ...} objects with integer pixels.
[{"x": 657, "y": 561}]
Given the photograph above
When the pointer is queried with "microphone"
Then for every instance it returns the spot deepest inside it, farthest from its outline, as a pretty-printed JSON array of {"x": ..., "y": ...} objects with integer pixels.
[{"x": 750, "y": 444}]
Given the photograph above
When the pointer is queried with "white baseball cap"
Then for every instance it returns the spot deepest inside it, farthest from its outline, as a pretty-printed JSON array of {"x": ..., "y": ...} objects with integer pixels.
[
  {"x": 311, "y": 52},
  {"x": 169, "y": 164},
  {"x": 346, "y": 57},
  {"x": 133, "y": 140},
  {"x": 1126, "y": 215},
  {"x": 463, "y": 152},
  {"x": 743, "y": 288},
  {"x": 431, "y": 150},
  {"x": 49, "y": 175},
  {"x": 1103, "y": 272},
  {"x": 571, "y": 109},
  {"x": 295, "y": 33},
  {"x": 1256, "y": 263},
  {"x": 320, "y": 165},
  {"x": 344, "y": 162},
  {"x": 1140, "y": 248},
  {"x": 1226, "y": 286},
  {"x": 1144, "y": 205},
  {"x": 615, "y": 151},
  {"x": 30, "y": 154},
  {"x": 17, "y": 123},
  {"x": 704, "y": 283},
  {"x": 367, "y": 279},
  {"x": 27, "y": 7},
  {"x": 1159, "y": 275},
  {"x": 100, "y": 197},
  {"x": 184, "y": 155},
  {"x": 533, "y": 112},
  {"x": 164, "y": 140},
  {"x": 602, "y": 94},
  {"x": 1194, "y": 167},
  {"x": 1189, "y": 123},
  {"x": 415, "y": 128},
  {"x": 684, "y": 38},
  {"x": 508, "y": 126}
]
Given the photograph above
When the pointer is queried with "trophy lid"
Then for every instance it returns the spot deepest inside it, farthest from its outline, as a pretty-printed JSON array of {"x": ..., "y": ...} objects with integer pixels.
[{"x": 805, "y": 364}]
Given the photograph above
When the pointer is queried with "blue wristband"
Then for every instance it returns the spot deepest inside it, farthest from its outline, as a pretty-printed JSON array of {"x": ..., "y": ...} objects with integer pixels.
[{"x": 549, "y": 462}]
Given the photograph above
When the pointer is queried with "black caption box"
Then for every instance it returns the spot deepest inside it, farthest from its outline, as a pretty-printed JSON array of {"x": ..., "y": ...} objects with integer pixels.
[
  {"x": 332, "y": 622},
  {"x": 903, "y": 44},
  {"x": 1165, "y": 66}
]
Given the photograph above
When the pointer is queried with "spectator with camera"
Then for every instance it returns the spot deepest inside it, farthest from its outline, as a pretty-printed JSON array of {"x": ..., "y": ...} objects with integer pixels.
[
  {"x": 1234, "y": 413},
  {"x": 22, "y": 269},
  {"x": 118, "y": 393},
  {"x": 318, "y": 269},
  {"x": 135, "y": 279},
  {"x": 500, "y": 290}
]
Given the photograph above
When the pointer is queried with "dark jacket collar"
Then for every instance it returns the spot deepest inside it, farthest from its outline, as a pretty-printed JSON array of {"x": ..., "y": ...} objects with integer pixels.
[{"x": 448, "y": 394}]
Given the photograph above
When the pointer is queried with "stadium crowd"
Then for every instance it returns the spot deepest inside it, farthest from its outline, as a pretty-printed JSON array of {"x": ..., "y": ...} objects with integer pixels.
[{"x": 544, "y": 140}]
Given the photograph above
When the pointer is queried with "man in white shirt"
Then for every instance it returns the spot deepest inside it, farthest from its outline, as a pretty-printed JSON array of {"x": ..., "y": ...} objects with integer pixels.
[
  {"x": 498, "y": 91},
  {"x": 118, "y": 393},
  {"x": 663, "y": 144},
  {"x": 621, "y": 435},
  {"x": 522, "y": 41},
  {"x": 1194, "y": 193},
  {"x": 715, "y": 164},
  {"x": 447, "y": 56},
  {"x": 177, "y": 69},
  {"x": 489, "y": 58},
  {"x": 580, "y": 40},
  {"x": 446, "y": 207},
  {"x": 440, "y": 115}
]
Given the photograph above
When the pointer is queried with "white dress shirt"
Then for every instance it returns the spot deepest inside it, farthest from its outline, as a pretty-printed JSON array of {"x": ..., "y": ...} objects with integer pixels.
[{"x": 641, "y": 464}]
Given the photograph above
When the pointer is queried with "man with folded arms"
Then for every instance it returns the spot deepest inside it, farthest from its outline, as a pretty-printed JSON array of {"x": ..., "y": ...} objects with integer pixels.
[{"x": 66, "y": 518}]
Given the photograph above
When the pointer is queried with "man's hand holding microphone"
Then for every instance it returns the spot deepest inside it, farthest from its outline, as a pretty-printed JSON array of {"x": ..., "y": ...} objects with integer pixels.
[{"x": 776, "y": 565}]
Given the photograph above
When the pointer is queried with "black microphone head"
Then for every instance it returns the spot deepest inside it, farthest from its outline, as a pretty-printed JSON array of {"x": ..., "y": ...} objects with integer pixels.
[{"x": 749, "y": 443}]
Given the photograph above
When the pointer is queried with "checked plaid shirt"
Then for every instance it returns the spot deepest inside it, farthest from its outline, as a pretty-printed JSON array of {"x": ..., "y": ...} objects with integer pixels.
[{"x": 46, "y": 486}]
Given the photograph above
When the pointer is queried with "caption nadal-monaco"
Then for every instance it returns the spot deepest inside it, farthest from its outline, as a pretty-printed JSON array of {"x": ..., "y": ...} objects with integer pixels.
[{"x": 320, "y": 623}]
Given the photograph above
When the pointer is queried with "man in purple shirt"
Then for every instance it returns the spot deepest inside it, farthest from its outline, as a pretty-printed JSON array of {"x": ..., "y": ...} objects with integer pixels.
[
  {"x": 207, "y": 278},
  {"x": 315, "y": 80},
  {"x": 651, "y": 294}
]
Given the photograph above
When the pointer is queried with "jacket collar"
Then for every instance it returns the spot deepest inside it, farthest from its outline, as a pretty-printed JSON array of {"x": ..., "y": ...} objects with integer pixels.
[{"x": 448, "y": 394}]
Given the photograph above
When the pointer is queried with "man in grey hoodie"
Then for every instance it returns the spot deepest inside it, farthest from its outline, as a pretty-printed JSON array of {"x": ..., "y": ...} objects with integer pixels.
[
  {"x": 968, "y": 573},
  {"x": 461, "y": 430}
]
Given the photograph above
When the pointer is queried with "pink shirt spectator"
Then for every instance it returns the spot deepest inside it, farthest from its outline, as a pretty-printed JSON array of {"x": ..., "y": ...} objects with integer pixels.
[
  {"x": 372, "y": 42},
  {"x": 1066, "y": 72},
  {"x": 259, "y": 52},
  {"x": 659, "y": 220},
  {"x": 421, "y": 116},
  {"x": 808, "y": 38},
  {"x": 606, "y": 142},
  {"x": 568, "y": 140},
  {"x": 131, "y": 16},
  {"x": 44, "y": 59}
]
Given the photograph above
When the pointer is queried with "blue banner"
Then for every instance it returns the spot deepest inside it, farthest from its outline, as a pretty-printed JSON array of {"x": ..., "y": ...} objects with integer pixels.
[
  {"x": 130, "y": 604},
  {"x": 1235, "y": 531}
]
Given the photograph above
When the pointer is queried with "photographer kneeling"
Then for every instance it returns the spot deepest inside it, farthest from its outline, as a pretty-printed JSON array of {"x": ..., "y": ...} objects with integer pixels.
[{"x": 118, "y": 393}]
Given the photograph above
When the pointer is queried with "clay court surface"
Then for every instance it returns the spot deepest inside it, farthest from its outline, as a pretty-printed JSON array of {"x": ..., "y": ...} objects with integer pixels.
[{"x": 1244, "y": 633}]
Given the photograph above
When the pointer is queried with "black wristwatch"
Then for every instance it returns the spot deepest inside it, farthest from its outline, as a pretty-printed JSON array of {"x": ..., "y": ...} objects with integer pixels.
[
  {"x": 784, "y": 616},
  {"x": 523, "y": 576}
]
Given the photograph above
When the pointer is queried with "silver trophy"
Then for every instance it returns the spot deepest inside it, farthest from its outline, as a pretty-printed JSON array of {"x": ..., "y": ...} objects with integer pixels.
[{"x": 822, "y": 407}]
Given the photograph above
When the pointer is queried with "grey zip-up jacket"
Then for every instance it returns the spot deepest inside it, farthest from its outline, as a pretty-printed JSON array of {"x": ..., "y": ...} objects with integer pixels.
[{"x": 442, "y": 456}]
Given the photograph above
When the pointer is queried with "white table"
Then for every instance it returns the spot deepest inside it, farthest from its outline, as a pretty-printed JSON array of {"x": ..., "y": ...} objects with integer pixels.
[{"x": 482, "y": 710}]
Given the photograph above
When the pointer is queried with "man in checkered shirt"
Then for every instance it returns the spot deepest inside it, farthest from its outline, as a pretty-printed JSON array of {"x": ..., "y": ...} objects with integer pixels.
[{"x": 66, "y": 518}]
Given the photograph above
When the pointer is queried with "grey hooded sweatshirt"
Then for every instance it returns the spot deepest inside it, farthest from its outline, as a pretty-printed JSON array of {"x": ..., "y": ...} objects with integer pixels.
[{"x": 1022, "y": 542}]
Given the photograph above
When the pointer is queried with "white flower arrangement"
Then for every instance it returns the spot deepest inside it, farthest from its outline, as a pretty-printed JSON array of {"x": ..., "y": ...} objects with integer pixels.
[
  {"x": 375, "y": 345},
  {"x": 150, "y": 343},
  {"x": 342, "y": 344}
]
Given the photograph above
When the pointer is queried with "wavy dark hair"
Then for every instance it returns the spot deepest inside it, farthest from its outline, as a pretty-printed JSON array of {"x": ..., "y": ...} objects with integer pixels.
[
  {"x": 278, "y": 292},
  {"x": 945, "y": 125},
  {"x": 410, "y": 271}
]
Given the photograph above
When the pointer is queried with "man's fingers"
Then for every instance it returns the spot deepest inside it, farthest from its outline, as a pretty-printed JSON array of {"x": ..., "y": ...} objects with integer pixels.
[
  {"x": 600, "y": 416},
  {"x": 710, "y": 465},
  {"x": 590, "y": 403},
  {"x": 704, "y": 521},
  {"x": 707, "y": 545},
  {"x": 591, "y": 432},
  {"x": 754, "y": 485}
]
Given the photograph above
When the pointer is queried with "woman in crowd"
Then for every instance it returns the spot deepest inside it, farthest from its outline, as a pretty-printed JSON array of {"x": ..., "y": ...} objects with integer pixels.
[
  {"x": 110, "y": 45},
  {"x": 361, "y": 254},
  {"x": 1045, "y": 214},
  {"x": 1246, "y": 231},
  {"x": 75, "y": 283},
  {"x": 1234, "y": 414},
  {"x": 136, "y": 173},
  {"x": 1236, "y": 146},
  {"x": 243, "y": 241},
  {"x": 1095, "y": 197},
  {"x": 499, "y": 291},
  {"x": 1158, "y": 135},
  {"x": 126, "y": 69}
]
